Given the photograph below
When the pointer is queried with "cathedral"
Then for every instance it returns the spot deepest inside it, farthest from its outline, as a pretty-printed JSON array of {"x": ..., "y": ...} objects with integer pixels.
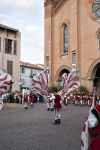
[{"x": 72, "y": 40}]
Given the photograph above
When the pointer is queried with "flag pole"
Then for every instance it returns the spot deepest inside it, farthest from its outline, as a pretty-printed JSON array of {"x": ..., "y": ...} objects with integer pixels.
[{"x": 94, "y": 98}]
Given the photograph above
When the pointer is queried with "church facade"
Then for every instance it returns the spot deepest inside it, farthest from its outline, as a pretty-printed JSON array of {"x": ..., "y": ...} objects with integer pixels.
[{"x": 72, "y": 39}]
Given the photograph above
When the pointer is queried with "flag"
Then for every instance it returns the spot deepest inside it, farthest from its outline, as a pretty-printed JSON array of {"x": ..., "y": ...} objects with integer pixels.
[
  {"x": 73, "y": 78},
  {"x": 60, "y": 93},
  {"x": 85, "y": 136},
  {"x": 5, "y": 81},
  {"x": 71, "y": 82},
  {"x": 64, "y": 79},
  {"x": 94, "y": 99},
  {"x": 40, "y": 83}
]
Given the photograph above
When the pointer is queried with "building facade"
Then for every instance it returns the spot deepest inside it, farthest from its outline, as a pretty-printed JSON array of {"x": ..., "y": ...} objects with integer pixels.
[
  {"x": 10, "y": 40},
  {"x": 72, "y": 38},
  {"x": 27, "y": 71}
]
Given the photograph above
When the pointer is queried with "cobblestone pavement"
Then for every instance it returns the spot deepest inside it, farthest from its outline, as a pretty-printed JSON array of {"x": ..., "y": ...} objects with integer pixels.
[{"x": 32, "y": 129}]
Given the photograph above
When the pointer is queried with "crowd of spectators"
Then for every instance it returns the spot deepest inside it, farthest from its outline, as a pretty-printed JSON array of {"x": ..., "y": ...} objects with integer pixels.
[{"x": 17, "y": 97}]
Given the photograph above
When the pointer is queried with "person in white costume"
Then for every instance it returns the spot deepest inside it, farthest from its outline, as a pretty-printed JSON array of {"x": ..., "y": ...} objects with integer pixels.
[{"x": 1, "y": 102}]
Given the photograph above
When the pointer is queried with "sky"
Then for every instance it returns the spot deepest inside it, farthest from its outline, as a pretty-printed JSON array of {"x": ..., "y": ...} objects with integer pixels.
[{"x": 28, "y": 17}]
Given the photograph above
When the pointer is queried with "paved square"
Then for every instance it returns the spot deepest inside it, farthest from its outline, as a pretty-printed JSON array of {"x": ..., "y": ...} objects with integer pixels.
[{"x": 32, "y": 129}]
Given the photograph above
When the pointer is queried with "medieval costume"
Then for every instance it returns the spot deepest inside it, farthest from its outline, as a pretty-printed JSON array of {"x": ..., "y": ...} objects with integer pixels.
[
  {"x": 26, "y": 99},
  {"x": 32, "y": 99},
  {"x": 57, "y": 107},
  {"x": 65, "y": 101},
  {"x": 94, "y": 127},
  {"x": 51, "y": 101},
  {"x": 1, "y": 102}
]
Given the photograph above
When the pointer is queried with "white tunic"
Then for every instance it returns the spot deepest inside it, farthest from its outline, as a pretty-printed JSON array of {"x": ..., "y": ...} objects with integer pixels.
[{"x": 92, "y": 120}]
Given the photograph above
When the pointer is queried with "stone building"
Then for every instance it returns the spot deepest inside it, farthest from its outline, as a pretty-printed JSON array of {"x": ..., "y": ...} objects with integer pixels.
[
  {"x": 10, "y": 40},
  {"x": 72, "y": 38}
]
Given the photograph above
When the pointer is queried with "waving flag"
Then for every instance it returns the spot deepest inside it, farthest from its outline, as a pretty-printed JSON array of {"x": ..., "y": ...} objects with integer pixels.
[
  {"x": 40, "y": 83},
  {"x": 5, "y": 81},
  {"x": 85, "y": 136},
  {"x": 71, "y": 82},
  {"x": 64, "y": 79}
]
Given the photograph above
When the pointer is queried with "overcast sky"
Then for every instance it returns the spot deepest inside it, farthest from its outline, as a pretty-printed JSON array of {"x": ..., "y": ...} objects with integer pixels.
[{"x": 28, "y": 17}]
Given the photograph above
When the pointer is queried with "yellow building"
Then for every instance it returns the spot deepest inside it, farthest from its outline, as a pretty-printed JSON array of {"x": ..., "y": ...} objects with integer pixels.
[
  {"x": 10, "y": 45},
  {"x": 72, "y": 37}
]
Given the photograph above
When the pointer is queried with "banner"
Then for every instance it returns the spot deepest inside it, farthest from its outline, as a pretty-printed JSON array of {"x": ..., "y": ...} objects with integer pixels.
[
  {"x": 40, "y": 83},
  {"x": 71, "y": 82},
  {"x": 5, "y": 81}
]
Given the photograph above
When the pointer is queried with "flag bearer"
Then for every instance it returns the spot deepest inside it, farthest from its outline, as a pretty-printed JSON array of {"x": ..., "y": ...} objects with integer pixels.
[
  {"x": 52, "y": 97},
  {"x": 1, "y": 102},
  {"x": 65, "y": 100},
  {"x": 57, "y": 107},
  {"x": 26, "y": 99},
  {"x": 48, "y": 102},
  {"x": 32, "y": 99}
]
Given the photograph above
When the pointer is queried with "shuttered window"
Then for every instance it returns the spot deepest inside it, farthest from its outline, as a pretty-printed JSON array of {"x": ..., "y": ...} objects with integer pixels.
[
  {"x": 10, "y": 67},
  {"x": 15, "y": 47},
  {"x": 8, "y": 46}
]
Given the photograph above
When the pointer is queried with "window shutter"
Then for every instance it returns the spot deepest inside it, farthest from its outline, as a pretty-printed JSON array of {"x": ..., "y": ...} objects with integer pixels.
[
  {"x": 6, "y": 45},
  {"x": 15, "y": 47},
  {"x": 10, "y": 67}
]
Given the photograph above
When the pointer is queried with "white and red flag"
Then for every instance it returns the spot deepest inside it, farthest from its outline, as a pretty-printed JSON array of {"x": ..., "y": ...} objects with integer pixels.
[
  {"x": 85, "y": 136},
  {"x": 40, "y": 83},
  {"x": 5, "y": 84},
  {"x": 64, "y": 79},
  {"x": 5, "y": 81},
  {"x": 71, "y": 82}
]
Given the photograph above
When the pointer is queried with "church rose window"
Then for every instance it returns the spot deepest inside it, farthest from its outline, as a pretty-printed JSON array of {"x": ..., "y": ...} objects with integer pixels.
[{"x": 96, "y": 8}]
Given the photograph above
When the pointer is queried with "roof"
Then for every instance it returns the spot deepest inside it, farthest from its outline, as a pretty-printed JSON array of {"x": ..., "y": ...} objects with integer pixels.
[
  {"x": 40, "y": 65},
  {"x": 8, "y": 28},
  {"x": 29, "y": 65}
]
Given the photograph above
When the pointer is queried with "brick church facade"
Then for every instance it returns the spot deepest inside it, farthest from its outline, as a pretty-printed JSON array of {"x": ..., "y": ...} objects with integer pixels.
[{"x": 72, "y": 38}]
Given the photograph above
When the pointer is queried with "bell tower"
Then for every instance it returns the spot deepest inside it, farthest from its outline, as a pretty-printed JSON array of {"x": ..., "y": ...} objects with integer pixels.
[
  {"x": 48, "y": 6},
  {"x": 48, "y": 35}
]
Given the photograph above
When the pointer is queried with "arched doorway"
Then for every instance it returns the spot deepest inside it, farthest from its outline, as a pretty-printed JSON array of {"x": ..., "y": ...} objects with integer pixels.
[
  {"x": 61, "y": 73},
  {"x": 59, "y": 77},
  {"x": 93, "y": 76},
  {"x": 97, "y": 78}
]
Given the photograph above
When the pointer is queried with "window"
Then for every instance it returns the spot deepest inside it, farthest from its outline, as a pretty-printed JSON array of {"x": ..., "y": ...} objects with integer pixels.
[
  {"x": 10, "y": 67},
  {"x": 47, "y": 60},
  {"x": 0, "y": 44},
  {"x": 23, "y": 70},
  {"x": 73, "y": 58},
  {"x": 15, "y": 47},
  {"x": 99, "y": 39},
  {"x": 8, "y": 46},
  {"x": 65, "y": 39}
]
